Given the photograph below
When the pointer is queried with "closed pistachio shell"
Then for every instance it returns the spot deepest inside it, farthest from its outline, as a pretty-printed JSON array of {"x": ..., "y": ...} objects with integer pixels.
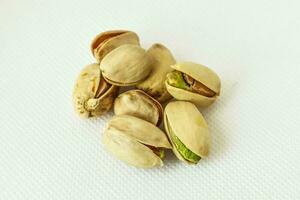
[
  {"x": 92, "y": 95},
  {"x": 184, "y": 121},
  {"x": 126, "y": 65},
  {"x": 130, "y": 150},
  {"x": 143, "y": 131},
  {"x": 139, "y": 104},
  {"x": 154, "y": 85},
  {"x": 193, "y": 82},
  {"x": 128, "y": 138},
  {"x": 107, "y": 41}
]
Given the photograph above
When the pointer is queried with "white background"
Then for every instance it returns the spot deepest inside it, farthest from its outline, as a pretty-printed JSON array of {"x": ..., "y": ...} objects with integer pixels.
[{"x": 47, "y": 152}]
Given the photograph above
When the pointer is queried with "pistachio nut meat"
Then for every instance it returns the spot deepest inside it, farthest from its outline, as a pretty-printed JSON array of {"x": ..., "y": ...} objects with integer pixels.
[
  {"x": 187, "y": 130},
  {"x": 126, "y": 65},
  {"x": 154, "y": 85},
  {"x": 135, "y": 141},
  {"x": 107, "y": 41},
  {"x": 139, "y": 104},
  {"x": 92, "y": 95},
  {"x": 193, "y": 82}
]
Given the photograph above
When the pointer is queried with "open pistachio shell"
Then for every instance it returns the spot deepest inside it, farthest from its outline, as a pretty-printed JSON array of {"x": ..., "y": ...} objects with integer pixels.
[
  {"x": 92, "y": 95},
  {"x": 154, "y": 85},
  {"x": 126, "y": 65},
  {"x": 131, "y": 140},
  {"x": 208, "y": 83},
  {"x": 187, "y": 131},
  {"x": 139, "y": 104},
  {"x": 107, "y": 41}
]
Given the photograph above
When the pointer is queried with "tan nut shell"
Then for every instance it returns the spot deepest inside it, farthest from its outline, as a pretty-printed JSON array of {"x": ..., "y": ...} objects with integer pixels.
[
  {"x": 200, "y": 73},
  {"x": 107, "y": 41},
  {"x": 154, "y": 85},
  {"x": 139, "y": 104},
  {"x": 125, "y": 136},
  {"x": 126, "y": 65},
  {"x": 86, "y": 103},
  {"x": 189, "y": 126}
]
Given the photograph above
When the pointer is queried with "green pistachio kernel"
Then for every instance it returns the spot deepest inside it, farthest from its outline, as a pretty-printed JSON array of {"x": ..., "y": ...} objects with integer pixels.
[{"x": 176, "y": 79}]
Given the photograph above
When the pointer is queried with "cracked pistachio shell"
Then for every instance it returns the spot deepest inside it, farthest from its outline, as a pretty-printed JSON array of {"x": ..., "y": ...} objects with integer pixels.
[
  {"x": 126, "y": 137},
  {"x": 92, "y": 96},
  {"x": 201, "y": 74},
  {"x": 154, "y": 85},
  {"x": 139, "y": 104},
  {"x": 189, "y": 126},
  {"x": 107, "y": 41},
  {"x": 126, "y": 65}
]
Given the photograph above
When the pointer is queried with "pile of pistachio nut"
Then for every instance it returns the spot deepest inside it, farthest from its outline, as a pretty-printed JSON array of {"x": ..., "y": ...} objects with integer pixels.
[{"x": 133, "y": 134}]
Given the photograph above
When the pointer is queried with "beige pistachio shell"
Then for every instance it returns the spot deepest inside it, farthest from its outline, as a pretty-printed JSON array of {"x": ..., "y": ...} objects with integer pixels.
[
  {"x": 139, "y": 129},
  {"x": 130, "y": 150},
  {"x": 139, "y": 104},
  {"x": 189, "y": 126},
  {"x": 154, "y": 85},
  {"x": 201, "y": 74},
  {"x": 126, "y": 65},
  {"x": 87, "y": 102},
  {"x": 126, "y": 138},
  {"x": 107, "y": 41}
]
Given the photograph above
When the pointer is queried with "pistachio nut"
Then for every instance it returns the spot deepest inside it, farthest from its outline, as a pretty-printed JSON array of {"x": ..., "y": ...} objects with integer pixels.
[
  {"x": 154, "y": 85},
  {"x": 126, "y": 65},
  {"x": 92, "y": 95},
  {"x": 193, "y": 82},
  {"x": 187, "y": 131},
  {"x": 139, "y": 104},
  {"x": 107, "y": 41},
  {"x": 135, "y": 141}
]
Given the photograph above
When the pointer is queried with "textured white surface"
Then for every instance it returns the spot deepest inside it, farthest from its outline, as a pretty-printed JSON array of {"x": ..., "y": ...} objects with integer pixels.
[{"x": 46, "y": 152}]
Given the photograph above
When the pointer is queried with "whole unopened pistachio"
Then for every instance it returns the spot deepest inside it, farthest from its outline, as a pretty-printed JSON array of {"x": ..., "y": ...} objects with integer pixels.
[
  {"x": 109, "y": 40},
  {"x": 193, "y": 82},
  {"x": 135, "y": 141},
  {"x": 187, "y": 131},
  {"x": 92, "y": 95},
  {"x": 139, "y": 104},
  {"x": 154, "y": 85},
  {"x": 126, "y": 65}
]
